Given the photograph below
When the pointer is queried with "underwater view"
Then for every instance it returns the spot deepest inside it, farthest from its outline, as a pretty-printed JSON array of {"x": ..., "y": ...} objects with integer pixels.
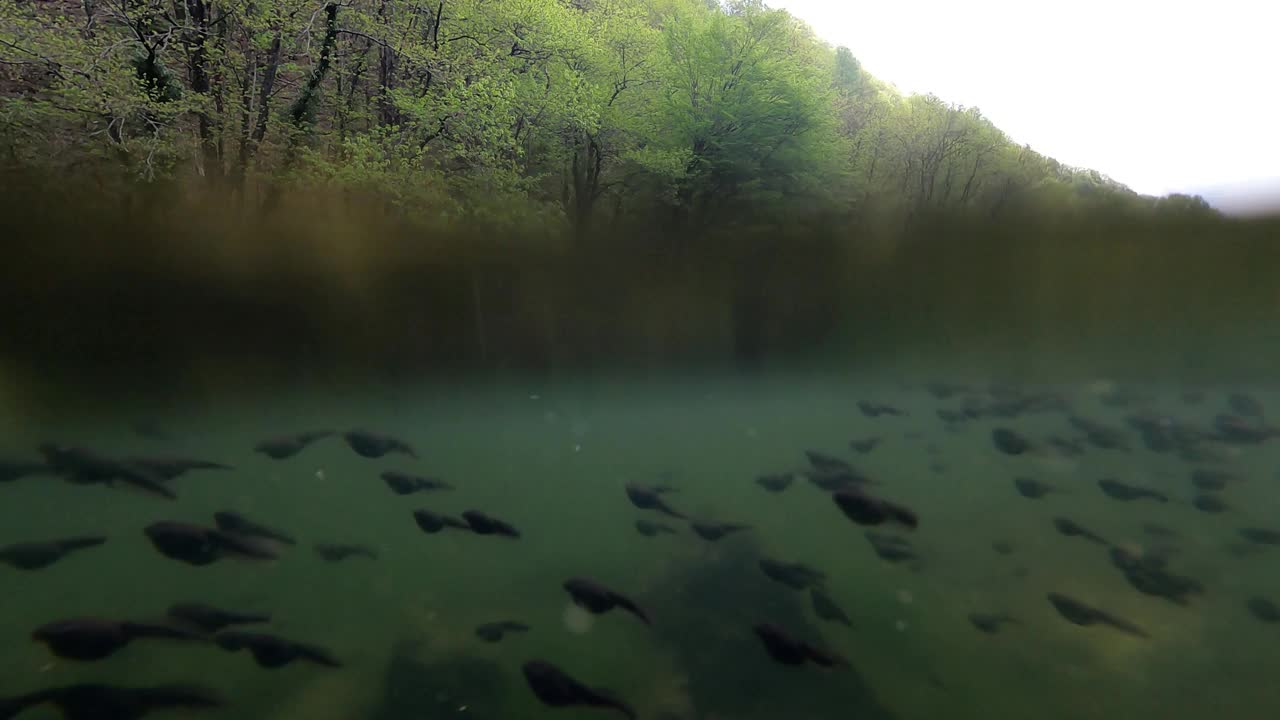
[
  {"x": 783, "y": 545},
  {"x": 643, "y": 359}
]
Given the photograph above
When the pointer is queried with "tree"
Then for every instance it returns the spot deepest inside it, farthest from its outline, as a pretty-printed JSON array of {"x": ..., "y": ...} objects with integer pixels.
[{"x": 672, "y": 115}]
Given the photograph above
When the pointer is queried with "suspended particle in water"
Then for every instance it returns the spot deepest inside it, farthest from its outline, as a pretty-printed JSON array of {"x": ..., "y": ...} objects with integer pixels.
[
  {"x": 905, "y": 597},
  {"x": 1133, "y": 548},
  {"x": 577, "y": 620},
  {"x": 900, "y": 626},
  {"x": 320, "y": 474},
  {"x": 1101, "y": 387},
  {"x": 1059, "y": 466}
]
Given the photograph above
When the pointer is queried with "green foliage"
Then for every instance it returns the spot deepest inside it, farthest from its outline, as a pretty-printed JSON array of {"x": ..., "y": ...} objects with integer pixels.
[
  {"x": 750, "y": 101},
  {"x": 664, "y": 115},
  {"x": 158, "y": 81}
]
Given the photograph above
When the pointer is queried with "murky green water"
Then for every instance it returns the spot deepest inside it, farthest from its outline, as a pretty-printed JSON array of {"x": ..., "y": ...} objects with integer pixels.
[{"x": 552, "y": 459}]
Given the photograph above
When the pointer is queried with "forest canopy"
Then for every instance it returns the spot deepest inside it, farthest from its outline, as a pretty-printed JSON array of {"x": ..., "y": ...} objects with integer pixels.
[
  {"x": 572, "y": 116},
  {"x": 197, "y": 189}
]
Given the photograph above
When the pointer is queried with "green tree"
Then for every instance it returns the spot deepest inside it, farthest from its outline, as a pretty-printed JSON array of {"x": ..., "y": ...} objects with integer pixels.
[{"x": 675, "y": 115}]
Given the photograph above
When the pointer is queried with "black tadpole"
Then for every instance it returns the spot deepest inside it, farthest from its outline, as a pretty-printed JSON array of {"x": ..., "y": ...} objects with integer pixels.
[
  {"x": 787, "y": 650},
  {"x": 649, "y": 497},
  {"x": 1032, "y": 489},
  {"x": 1117, "y": 490},
  {"x": 432, "y": 522},
  {"x": 598, "y": 599},
  {"x": 989, "y": 623},
  {"x": 796, "y": 576},
  {"x": 482, "y": 524},
  {"x": 286, "y": 446},
  {"x": 106, "y": 702},
  {"x": 402, "y": 483},
  {"x": 494, "y": 632},
  {"x": 199, "y": 546},
  {"x": 1071, "y": 528},
  {"x": 557, "y": 689},
  {"x": 210, "y": 619},
  {"x": 826, "y": 608},
  {"x": 1009, "y": 442},
  {"x": 1078, "y": 613},
  {"x": 94, "y": 638},
  {"x": 271, "y": 651},
  {"x": 40, "y": 555},
  {"x": 234, "y": 522},
  {"x": 1263, "y": 609},
  {"x": 775, "y": 483},
  {"x": 649, "y": 528},
  {"x": 864, "y": 509},
  {"x": 714, "y": 531},
  {"x": 372, "y": 445}
]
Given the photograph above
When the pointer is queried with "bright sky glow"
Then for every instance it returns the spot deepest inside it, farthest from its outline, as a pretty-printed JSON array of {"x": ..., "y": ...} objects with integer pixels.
[{"x": 1162, "y": 95}]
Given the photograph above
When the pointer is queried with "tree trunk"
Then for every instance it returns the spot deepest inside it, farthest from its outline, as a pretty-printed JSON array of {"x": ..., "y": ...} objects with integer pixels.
[
  {"x": 246, "y": 117},
  {"x": 303, "y": 109},
  {"x": 90, "y": 18},
  {"x": 968, "y": 184},
  {"x": 304, "y": 106},
  {"x": 585, "y": 171},
  {"x": 875, "y": 160},
  {"x": 387, "y": 113},
  {"x": 219, "y": 101},
  {"x": 198, "y": 58},
  {"x": 264, "y": 93},
  {"x": 947, "y": 182}
]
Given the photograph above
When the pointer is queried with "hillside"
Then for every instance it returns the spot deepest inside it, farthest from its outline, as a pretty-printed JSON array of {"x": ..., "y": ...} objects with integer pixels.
[
  {"x": 668, "y": 115},
  {"x": 383, "y": 186}
]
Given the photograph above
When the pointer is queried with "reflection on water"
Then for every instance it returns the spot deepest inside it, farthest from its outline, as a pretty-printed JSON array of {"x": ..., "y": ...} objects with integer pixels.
[{"x": 950, "y": 619}]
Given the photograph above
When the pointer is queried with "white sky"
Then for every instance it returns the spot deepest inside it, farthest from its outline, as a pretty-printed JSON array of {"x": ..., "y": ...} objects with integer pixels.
[{"x": 1162, "y": 95}]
